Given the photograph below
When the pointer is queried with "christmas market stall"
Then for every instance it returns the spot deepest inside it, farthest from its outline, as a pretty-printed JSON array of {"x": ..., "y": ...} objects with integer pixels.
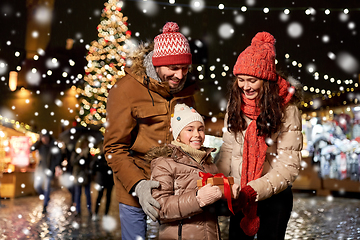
[
  {"x": 331, "y": 148},
  {"x": 17, "y": 164}
]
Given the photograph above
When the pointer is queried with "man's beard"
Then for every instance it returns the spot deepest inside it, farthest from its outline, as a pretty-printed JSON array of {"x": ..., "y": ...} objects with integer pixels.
[{"x": 179, "y": 87}]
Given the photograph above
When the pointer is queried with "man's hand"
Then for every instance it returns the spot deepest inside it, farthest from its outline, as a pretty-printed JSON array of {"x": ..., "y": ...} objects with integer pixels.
[{"x": 147, "y": 202}]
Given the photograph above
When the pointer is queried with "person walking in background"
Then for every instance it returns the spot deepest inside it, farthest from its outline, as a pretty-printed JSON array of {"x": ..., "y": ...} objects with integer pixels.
[
  {"x": 67, "y": 152},
  {"x": 50, "y": 159},
  {"x": 104, "y": 180},
  {"x": 138, "y": 110},
  {"x": 185, "y": 211},
  {"x": 262, "y": 144},
  {"x": 81, "y": 160}
]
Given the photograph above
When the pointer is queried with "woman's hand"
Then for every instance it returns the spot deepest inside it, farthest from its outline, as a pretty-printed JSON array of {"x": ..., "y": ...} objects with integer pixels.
[{"x": 235, "y": 190}]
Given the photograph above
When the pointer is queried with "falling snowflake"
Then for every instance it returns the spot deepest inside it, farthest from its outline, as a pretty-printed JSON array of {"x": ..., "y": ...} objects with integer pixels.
[
  {"x": 108, "y": 223},
  {"x": 148, "y": 7},
  {"x": 197, "y": 5},
  {"x": 33, "y": 77},
  {"x": 295, "y": 30},
  {"x": 43, "y": 15},
  {"x": 226, "y": 30},
  {"x": 347, "y": 62},
  {"x": 3, "y": 67}
]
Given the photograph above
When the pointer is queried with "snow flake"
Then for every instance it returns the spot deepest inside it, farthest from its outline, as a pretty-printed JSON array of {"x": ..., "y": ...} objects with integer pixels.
[
  {"x": 108, "y": 223},
  {"x": 347, "y": 62},
  {"x": 295, "y": 30},
  {"x": 197, "y": 5},
  {"x": 226, "y": 30}
]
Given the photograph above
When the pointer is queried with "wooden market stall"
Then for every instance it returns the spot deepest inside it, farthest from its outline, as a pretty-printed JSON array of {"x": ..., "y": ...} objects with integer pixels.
[{"x": 16, "y": 163}]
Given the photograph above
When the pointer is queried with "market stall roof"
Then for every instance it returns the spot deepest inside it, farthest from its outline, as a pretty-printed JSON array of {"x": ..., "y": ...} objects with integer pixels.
[{"x": 11, "y": 131}]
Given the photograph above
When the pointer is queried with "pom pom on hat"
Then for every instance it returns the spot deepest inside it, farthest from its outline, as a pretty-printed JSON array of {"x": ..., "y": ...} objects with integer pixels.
[
  {"x": 258, "y": 59},
  {"x": 171, "y": 27},
  {"x": 183, "y": 115},
  {"x": 262, "y": 38},
  {"x": 171, "y": 47}
]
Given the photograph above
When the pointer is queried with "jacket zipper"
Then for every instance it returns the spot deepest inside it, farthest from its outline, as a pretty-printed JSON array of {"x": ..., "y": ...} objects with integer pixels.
[{"x": 180, "y": 230}]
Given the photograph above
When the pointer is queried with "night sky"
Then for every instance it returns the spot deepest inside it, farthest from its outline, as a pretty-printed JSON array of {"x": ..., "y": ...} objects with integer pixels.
[{"x": 323, "y": 42}]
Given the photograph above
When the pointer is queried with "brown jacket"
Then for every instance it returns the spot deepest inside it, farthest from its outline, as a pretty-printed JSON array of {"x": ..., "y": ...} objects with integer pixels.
[
  {"x": 177, "y": 173},
  {"x": 138, "y": 117},
  {"x": 283, "y": 157}
]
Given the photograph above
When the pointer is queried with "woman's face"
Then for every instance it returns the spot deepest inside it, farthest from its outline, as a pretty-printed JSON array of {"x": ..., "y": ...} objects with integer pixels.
[
  {"x": 251, "y": 86},
  {"x": 193, "y": 135}
]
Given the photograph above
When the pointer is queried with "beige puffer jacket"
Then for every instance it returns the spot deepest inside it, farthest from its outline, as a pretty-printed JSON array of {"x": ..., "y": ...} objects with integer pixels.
[
  {"x": 283, "y": 157},
  {"x": 177, "y": 173}
]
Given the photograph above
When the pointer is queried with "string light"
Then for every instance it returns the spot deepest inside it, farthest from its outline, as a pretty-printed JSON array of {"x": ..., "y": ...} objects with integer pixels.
[{"x": 19, "y": 126}]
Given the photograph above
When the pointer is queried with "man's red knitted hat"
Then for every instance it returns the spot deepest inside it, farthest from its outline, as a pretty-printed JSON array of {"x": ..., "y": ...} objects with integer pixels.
[
  {"x": 171, "y": 47},
  {"x": 258, "y": 59}
]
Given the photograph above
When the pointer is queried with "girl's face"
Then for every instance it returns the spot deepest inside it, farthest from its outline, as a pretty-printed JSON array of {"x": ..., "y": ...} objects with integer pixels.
[
  {"x": 193, "y": 135},
  {"x": 251, "y": 86}
]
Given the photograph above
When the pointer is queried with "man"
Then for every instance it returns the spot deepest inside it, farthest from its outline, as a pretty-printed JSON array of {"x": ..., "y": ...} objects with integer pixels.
[
  {"x": 139, "y": 109},
  {"x": 50, "y": 159}
]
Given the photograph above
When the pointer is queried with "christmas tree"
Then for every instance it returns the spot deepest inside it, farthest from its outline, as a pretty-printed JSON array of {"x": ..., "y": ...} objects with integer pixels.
[{"x": 106, "y": 61}]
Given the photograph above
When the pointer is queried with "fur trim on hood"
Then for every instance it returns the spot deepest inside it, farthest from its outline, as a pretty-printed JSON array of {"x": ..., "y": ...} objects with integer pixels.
[
  {"x": 156, "y": 152},
  {"x": 168, "y": 150},
  {"x": 137, "y": 58}
]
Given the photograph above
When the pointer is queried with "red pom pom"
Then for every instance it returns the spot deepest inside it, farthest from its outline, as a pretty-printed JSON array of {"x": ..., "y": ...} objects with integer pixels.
[
  {"x": 250, "y": 226},
  {"x": 92, "y": 110},
  {"x": 170, "y": 27},
  {"x": 128, "y": 32},
  {"x": 263, "y": 37},
  {"x": 118, "y": 8}
]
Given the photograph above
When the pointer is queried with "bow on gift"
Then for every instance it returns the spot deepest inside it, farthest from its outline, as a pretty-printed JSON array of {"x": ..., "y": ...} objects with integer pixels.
[{"x": 227, "y": 190}]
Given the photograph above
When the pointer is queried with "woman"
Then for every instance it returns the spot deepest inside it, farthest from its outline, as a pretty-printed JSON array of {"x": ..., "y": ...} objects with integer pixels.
[{"x": 262, "y": 147}]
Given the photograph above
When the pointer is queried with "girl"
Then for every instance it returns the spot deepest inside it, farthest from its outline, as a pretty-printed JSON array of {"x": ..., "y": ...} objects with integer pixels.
[
  {"x": 185, "y": 212},
  {"x": 262, "y": 147}
]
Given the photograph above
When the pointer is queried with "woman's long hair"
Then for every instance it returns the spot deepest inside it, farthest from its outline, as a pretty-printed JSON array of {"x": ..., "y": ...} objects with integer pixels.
[{"x": 269, "y": 102}]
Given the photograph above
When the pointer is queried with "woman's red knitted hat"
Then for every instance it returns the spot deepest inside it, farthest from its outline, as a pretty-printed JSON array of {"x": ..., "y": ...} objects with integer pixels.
[{"x": 258, "y": 59}]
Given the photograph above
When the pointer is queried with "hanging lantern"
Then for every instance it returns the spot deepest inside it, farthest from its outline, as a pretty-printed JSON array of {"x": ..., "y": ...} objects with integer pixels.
[{"x": 13, "y": 75}]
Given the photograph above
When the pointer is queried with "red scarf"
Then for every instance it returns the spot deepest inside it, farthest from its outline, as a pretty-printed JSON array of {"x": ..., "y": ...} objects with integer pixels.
[{"x": 255, "y": 146}]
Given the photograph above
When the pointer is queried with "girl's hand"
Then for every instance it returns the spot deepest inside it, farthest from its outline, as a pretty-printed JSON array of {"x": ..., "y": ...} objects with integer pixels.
[{"x": 208, "y": 194}]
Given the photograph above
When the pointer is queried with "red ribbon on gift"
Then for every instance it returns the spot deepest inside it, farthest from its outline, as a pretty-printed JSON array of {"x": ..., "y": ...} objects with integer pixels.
[{"x": 227, "y": 190}]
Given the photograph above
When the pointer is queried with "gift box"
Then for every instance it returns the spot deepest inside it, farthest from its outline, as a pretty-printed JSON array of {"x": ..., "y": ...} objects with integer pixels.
[{"x": 217, "y": 181}]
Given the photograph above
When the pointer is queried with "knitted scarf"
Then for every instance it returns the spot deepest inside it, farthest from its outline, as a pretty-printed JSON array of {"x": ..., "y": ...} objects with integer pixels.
[
  {"x": 198, "y": 155},
  {"x": 255, "y": 146}
]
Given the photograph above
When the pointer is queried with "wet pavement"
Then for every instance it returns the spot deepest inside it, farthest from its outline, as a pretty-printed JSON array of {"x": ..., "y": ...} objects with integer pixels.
[{"x": 21, "y": 218}]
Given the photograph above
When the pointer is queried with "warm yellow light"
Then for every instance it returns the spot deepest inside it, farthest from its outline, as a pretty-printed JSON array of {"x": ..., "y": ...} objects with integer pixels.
[{"x": 13, "y": 75}]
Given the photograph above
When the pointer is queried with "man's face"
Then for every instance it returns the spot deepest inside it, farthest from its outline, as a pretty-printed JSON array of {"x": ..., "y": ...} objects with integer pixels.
[{"x": 173, "y": 74}]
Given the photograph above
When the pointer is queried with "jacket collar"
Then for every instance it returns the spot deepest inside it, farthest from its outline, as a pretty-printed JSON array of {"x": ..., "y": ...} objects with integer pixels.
[
  {"x": 182, "y": 157},
  {"x": 153, "y": 85},
  {"x": 163, "y": 88}
]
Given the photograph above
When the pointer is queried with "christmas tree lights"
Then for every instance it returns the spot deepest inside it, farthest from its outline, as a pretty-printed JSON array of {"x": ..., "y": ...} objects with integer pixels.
[{"x": 106, "y": 62}]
